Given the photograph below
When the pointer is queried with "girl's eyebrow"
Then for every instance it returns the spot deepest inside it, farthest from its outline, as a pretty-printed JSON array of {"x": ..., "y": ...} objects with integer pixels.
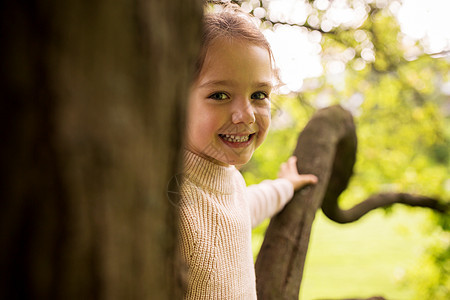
[
  {"x": 217, "y": 82},
  {"x": 263, "y": 84}
]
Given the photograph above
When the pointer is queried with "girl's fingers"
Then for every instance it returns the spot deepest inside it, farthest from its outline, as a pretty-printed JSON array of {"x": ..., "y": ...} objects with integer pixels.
[
  {"x": 309, "y": 178},
  {"x": 292, "y": 163}
]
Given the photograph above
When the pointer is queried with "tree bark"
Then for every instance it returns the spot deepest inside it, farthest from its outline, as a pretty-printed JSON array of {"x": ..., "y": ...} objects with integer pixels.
[
  {"x": 93, "y": 104},
  {"x": 329, "y": 134},
  {"x": 332, "y": 210},
  {"x": 326, "y": 148}
]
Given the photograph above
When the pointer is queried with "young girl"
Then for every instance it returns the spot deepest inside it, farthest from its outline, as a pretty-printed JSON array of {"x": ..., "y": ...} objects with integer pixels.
[{"x": 228, "y": 118}]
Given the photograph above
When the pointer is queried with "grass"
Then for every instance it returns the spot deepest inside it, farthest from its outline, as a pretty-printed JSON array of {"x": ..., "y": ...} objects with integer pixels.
[{"x": 367, "y": 258}]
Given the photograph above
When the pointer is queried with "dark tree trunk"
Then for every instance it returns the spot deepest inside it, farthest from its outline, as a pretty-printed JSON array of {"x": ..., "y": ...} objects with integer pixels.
[
  {"x": 93, "y": 102},
  {"x": 326, "y": 148}
]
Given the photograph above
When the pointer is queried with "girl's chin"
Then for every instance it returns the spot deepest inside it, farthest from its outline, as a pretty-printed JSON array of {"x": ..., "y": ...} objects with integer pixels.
[
  {"x": 225, "y": 156},
  {"x": 230, "y": 159}
]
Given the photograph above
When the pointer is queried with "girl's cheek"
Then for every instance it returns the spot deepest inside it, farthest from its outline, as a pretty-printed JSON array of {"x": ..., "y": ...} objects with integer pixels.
[
  {"x": 263, "y": 116},
  {"x": 263, "y": 110}
]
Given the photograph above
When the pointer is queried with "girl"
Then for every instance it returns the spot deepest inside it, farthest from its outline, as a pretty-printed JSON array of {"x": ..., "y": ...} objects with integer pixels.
[{"x": 228, "y": 118}]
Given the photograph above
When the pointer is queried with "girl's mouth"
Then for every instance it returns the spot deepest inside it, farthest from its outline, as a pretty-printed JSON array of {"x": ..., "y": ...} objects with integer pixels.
[{"x": 237, "y": 141}]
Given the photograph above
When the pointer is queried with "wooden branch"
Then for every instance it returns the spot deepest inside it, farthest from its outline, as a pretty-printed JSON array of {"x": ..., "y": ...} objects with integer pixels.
[
  {"x": 279, "y": 266},
  {"x": 326, "y": 148},
  {"x": 333, "y": 212},
  {"x": 304, "y": 25}
]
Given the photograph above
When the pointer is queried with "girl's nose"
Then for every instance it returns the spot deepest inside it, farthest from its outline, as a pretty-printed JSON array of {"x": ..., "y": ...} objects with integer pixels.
[{"x": 243, "y": 112}]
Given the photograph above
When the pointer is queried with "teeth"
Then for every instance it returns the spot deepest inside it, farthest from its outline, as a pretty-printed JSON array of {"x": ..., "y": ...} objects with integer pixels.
[{"x": 235, "y": 138}]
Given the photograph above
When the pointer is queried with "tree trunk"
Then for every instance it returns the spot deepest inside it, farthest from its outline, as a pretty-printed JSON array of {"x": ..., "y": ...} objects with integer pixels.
[{"x": 92, "y": 116}]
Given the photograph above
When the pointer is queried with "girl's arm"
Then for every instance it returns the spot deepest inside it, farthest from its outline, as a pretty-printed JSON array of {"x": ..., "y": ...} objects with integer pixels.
[{"x": 270, "y": 196}]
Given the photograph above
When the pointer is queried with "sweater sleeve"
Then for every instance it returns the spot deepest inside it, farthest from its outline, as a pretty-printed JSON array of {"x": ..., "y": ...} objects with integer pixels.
[{"x": 268, "y": 198}]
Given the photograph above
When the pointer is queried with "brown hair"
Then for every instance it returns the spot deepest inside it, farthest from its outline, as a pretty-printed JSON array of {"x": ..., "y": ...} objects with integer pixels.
[{"x": 230, "y": 22}]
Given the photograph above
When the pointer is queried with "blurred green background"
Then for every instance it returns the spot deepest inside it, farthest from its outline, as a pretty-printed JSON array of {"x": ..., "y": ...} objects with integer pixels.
[{"x": 398, "y": 88}]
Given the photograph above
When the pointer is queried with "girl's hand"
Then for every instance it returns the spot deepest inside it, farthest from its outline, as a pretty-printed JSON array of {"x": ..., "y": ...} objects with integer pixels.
[{"x": 288, "y": 170}]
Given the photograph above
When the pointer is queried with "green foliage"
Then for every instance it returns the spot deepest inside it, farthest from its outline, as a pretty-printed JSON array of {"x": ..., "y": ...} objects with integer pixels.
[
  {"x": 367, "y": 258},
  {"x": 431, "y": 278}
]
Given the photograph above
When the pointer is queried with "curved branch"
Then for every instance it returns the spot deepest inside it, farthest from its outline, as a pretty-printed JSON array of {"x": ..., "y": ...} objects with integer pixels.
[
  {"x": 279, "y": 266},
  {"x": 333, "y": 212},
  {"x": 326, "y": 148}
]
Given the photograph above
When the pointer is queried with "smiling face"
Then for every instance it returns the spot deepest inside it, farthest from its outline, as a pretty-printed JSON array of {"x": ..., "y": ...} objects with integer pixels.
[{"x": 229, "y": 106}]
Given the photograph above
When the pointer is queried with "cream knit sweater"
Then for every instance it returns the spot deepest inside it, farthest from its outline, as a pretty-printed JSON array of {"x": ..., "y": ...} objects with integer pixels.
[{"x": 217, "y": 212}]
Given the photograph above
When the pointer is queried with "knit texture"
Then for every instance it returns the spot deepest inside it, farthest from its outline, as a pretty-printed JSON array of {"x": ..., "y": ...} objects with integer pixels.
[{"x": 217, "y": 212}]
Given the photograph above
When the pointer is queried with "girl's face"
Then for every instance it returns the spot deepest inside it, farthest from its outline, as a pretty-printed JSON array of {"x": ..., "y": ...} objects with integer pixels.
[{"x": 229, "y": 106}]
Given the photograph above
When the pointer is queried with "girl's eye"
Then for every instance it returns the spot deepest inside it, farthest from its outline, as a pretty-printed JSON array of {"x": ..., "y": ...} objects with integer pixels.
[
  {"x": 259, "y": 96},
  {"x": 218, "y": 96}
]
